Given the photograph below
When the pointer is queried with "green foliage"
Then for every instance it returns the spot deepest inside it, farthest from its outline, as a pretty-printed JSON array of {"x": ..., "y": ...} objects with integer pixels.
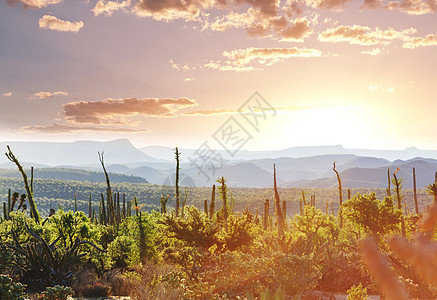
[
  {"x": 10, "y": 290},
  {"x": 314, "y": 223},
  {"x": 357, "y": 292},
  {"x": 241, "y": 231},
  {"x": 123, "y": 252},
  {"x": 372, "y": 215},
  {"x": 196, "y": 229},
  {"x": 57, "y": 292}
]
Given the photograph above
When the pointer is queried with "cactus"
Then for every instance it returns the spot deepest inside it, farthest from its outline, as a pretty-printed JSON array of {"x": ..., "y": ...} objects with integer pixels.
[
  {"x": 388, "y": 189},
  {"x": 177, "y": 154},
  {"x": 103, "y": 210},
  {"x": 33, "y": 211},
  {"x": 416, "y": 206},
  {"x": 129, "y": 209},
  {"x": 205, "y": 206},
  {"x": 301, "y": 206},
  {"x": 266, "y": 214},
  {"x": 118, "y": 218},
  {"x": 284, "y": 211},
  {"x": 5, "y": 212},
  {"x": 212, "y": 204},
  {"x": 124, "y": 206},
  {"x": 222, "y": 181},
  {"x": 279, "y": 214},
  {"x": 340, "y": 196},
  {"x": 398, "y": 189},
  {"x": 303, "y": 198},
  {"x": 164, "y": 204},
  {"x": 9, "y": 200}
]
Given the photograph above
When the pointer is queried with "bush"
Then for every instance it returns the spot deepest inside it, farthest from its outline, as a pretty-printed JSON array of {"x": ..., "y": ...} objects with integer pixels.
[
  {"x": 56, "y": 293},
  {"x": 123, "y": 252},
  {"x": 10, "y": 290},
  {"x": 357, "y": 292}
]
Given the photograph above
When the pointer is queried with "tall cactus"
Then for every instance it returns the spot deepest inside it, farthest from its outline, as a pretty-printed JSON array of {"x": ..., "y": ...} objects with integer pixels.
[
  {"x": 212, "y": 204},
  {"x": 90, "y": 208},
  {"x": 340, "y": 197},
  {"x": 398, "y": 183},
  {"x": 266, "y": 214},
  {"x": 177, "y": 155},
  {"x": 223, "y": 192},
  {"x": 279, "y": 214},
  {"x": 12, "y": 158},
  {"x": 416, "y": 206},
  {"x": 108, "y": 186}
]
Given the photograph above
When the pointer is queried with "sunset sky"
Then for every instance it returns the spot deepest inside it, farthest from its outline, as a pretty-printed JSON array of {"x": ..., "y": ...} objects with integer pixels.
[{"x": 171, "y": 72}]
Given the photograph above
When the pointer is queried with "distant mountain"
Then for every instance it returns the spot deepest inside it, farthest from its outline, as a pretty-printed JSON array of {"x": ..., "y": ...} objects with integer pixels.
[
  {"x": 76, "y": 153},
  {"x": 358, "y": 177},
  {"x": 72, "y": 174}
]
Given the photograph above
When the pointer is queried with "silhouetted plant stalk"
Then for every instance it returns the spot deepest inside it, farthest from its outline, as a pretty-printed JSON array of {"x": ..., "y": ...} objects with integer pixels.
[
  {"x": 212, "y": 204},
  {"x": 279, "y": 214},
  {"x": 177, "y": 155},
  {"x": 110, "y": 202},
  {"x": 432, "y": 189},
  {"x": 266, "y": 214},
  {"x": 388, "y": 189},
  {"x": 222, "y": 182},
  {"x": 186, "y": 192},
  {"x": 398, "y": 183},
  {"x": 416, "y": 206},
  {"x": 12, "y": 158},
  {"x": 340, "y": 196}
]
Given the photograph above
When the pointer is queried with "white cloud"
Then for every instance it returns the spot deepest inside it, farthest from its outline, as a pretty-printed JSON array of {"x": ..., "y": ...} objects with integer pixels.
[{"x": 53, "y": 23}]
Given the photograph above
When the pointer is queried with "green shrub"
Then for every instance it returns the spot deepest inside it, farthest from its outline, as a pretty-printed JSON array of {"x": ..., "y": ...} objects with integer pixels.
[
  {"x": 57, "y": 292},
  {"x": 10, "y": 290},
  {"x": 357, "y": 292},
  {"x": 123, "y": 252}
]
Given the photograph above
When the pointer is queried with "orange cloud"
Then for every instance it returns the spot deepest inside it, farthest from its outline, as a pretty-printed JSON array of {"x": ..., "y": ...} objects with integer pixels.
[
  {"x": 66, "y": 128},
  {"x": 8, "y": 94},
  {"x": 328, "y": 4},
  {"x": 53, "y": 23},
  {"x": 171, "y": 9},
  {"x": 45, "y": 95},
  {"x": 299, "y": 29},
  {"x": 414, "y": 42},
  {"x": 109, "y": 110},
  {"x": 211, "y": 112},
  {"x": 34, "y": 3},
  {"x": 268, "y": 56},
  {"x": 363, "y": 35},
  {"x": 109, "y": 7},
  {"x": 217, "y": 65},
  {"x": 412, "y": 7}
]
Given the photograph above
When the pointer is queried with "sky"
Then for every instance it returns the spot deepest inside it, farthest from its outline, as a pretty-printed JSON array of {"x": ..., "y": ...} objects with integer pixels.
[{"x": 240, "y": 74}]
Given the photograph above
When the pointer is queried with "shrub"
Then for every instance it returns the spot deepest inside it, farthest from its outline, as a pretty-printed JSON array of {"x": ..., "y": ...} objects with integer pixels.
[
  {"x": 10, "y": 290},
  {"x": 123, "y": 252},
  {"x": 56, "y": 293},
  {"x": 357, "y": 292}
]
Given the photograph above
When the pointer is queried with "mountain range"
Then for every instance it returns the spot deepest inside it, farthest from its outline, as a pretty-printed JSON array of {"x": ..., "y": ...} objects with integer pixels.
[{"x": 296, "y": 167}]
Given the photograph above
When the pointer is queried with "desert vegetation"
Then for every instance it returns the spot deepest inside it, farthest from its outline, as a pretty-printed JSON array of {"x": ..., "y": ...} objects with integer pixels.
[{"x": 206, "y": 243}]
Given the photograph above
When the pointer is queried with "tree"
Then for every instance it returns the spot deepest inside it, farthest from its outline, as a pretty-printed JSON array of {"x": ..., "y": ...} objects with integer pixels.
[{"x": 372, "y": 215}]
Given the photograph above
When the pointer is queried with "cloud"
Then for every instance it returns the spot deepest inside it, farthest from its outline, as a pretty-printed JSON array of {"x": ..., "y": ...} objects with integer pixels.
[
  {"x": 109, "y": 7},
  {"x": 8, "y": 94},
  {"x": 210, "y": 112},
  {"x": 299, "y": 30},
  {"x": 328, "y": 4},
  {"x": 111, "y": 110},
  {"x": 45, "y": 95},
  {"x": 53, "y": 23},
  {"x": 179, "y": 67},
  {"x": 67, "y": 128},
  {"x": 171, "y": 9},
  {"x": 217, "y": 65},
  {"x": 412, "y": 7},
  {"x": 34, "y": 3},
  {"x": 414, "y": 42},
  {"x": 188, "y": 79},
  {"x": 380, "y": 88},
  {"x": 268, "y": 56},
  {"x": 363, "y": 35},
  {"x": 373, "y": 52}
]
